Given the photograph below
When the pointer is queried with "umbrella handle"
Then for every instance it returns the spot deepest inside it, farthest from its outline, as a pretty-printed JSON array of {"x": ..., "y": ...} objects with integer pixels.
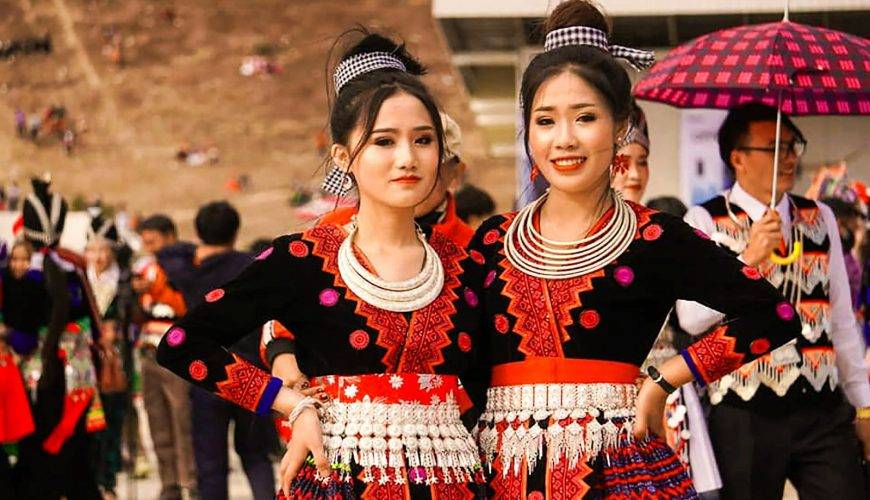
[{"x": 796, "y": 250}]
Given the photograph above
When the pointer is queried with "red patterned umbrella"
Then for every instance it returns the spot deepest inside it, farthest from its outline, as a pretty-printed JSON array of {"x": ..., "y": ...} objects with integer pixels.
[
  {"x": 799, "y": 69},
  {"x": 802, "y": 70}
]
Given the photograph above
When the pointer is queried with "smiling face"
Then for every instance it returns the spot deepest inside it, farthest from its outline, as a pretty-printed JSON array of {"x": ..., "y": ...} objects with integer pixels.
[
  {"x": 572, "y": 135},
  {"x": 397, "y": 166},
  {"x": 753, "y": 168},
  {"x": 632, "y": 183}
]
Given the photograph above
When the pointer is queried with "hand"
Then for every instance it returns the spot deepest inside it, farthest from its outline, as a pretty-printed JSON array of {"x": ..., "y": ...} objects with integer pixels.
[
  {"x": 307, "y": 438},
  {"x": 284, "y": 367},
  {"x": 862, "y": 429},
  {"x": 650, "y": 410},
  {"x": 764, "y": 237}
]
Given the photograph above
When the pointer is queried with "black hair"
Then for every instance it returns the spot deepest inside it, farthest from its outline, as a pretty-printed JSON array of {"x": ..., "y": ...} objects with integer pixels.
[
  {"x": 668, "y": 205},
  {"x": 160, "y": 223},
  {"x": 359, "y": 101},
  {"x": 733, "y": 130},
  {"x": 217, "y": 223},
  {"x": 473, "y": 201},
  {"x": 595, "y": 66}
]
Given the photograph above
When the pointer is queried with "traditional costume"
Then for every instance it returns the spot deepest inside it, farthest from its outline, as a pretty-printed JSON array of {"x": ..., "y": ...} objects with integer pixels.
[
  {"x": 568, "y": 324},
  {"x": 59, "y": 370},
  {"x": 393, "y": 426},
  {"x": 391, "y": 355},
  {"x": 784, "y": 415}
]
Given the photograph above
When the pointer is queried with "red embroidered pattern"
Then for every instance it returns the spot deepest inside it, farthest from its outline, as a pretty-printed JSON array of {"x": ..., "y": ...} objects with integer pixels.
[
  {"x": 566, "y": 483},
  {"x": 510, "y": 486},
  {"x": 715, "y": 355},
  {"x": 644, "y": 216},
  {"x": 535, "y": 302},
  {"x": 415, "y": 347},
  {"x": 244, "y": 384},
  {"x": 427, "y": 336},
  {"x": 389, "y": 491},
  {"x": 453, "y": 491}
]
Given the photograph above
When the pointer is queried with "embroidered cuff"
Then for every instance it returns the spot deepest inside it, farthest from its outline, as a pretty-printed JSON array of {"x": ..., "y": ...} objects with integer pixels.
[
  {"x": 714, "y": 356},
  {"x": 691, "y": 362}
]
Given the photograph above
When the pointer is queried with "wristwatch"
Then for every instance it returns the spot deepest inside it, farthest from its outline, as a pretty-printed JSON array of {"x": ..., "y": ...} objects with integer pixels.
[{"x": 658, "y": 378}]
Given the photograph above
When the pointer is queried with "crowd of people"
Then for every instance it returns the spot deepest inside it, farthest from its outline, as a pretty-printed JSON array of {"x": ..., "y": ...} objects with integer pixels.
[
  {"x": 414, "y": 345},
  {"x": 52, "y": 123}
]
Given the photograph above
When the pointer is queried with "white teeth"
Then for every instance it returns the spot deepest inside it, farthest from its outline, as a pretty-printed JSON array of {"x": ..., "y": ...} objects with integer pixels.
[{"x": 568, "y": 162}]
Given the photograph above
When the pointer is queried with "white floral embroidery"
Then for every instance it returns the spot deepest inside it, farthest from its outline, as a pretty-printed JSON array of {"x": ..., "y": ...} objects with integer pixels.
[
  {"x": 435, "y": 400},
  {"x": 350, "y": 391},
  {"x": 396, "y": 381},
  {"x": 428, "y": 382}
]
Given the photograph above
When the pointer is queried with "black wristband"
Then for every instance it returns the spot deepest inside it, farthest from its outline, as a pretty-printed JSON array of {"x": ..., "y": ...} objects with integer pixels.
[{"x": 658, "y": 378}]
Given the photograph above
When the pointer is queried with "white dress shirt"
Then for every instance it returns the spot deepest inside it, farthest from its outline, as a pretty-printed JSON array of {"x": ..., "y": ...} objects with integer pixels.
[{"x": 845, "y": 335}]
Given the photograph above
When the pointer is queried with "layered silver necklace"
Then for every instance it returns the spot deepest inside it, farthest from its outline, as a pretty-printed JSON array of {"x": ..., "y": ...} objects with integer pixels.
[
  {"x": 533, "y": 254},
  {"x": 397, "y": 296}
]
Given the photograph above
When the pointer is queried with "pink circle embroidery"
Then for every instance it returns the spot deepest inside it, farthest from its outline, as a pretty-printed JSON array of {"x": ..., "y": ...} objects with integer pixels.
[
  {"x": 702, "y": 234},
  {"x": 501, "y": 323},
  {"x": 490, "y": 277},
  {"x": 215, "y": 295},
  {"x": 751, "y": 273},
  {"x": 759, "y": 346},
  {"x": 328, "y": 297},
  {"x": 175, "y": 337},
  {"x": 490, "y": 237},
  {"x": 264, "y": 254},
  {"x": 464, "y": 342},
  {"x": 477, "y": 257},
  {"x": 623, "y": 275},
  {"x": 298, "y": 249},
  {"x": 359, "y": 339},
  {"x": 652, "y": 232},
  {"x": 589, "y": 319},
  {"x": 470, "y": 297},
  {"x": 785, "y": 311},
  {"x": 198, "y": 370}
]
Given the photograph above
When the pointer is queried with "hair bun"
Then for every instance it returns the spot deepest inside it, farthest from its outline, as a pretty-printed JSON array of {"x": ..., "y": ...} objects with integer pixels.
[
  {"x": 577, "y": 13},
  {"x": 373, "y": 42}
]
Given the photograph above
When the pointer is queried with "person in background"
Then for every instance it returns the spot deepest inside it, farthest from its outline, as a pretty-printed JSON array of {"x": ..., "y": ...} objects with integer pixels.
[
  {"x": 109, "y": 276},
  {"x": 215, "y": 262},
  {"x": 473, "y": 205},
  {"x": 20, "y": 299},
  {"x": 784, "y": 416},
  {"x": 850, "y": 222},
  {"x": 57, "y": 363},
  {"x": 166, "y": 397},
  {"x": 631, "y": 179}
]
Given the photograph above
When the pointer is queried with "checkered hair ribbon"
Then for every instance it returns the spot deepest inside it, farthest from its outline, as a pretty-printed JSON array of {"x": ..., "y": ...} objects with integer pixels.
[
  {"x": 584, "y": 35},
  {"x": 355, "y": 66}
]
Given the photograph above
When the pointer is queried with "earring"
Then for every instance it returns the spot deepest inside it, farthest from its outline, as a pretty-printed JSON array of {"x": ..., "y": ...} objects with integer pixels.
[
  {"x": 338, "y": 182},
  {"x": 534, "y": 173},
  {"x": 620, "y": 164}
]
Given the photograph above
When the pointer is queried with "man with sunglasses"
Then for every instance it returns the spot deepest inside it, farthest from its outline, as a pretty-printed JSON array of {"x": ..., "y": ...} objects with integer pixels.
[{"x": 784, "y": 416}]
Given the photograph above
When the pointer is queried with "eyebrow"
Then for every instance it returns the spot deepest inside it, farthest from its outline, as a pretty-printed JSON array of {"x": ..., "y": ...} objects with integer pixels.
[
  {"x": 579, "y": 105},
  {"x": 396, "y": 131}
]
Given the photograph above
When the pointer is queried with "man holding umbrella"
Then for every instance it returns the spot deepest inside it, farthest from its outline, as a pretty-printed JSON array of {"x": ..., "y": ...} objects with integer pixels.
[{"x": 784, "y": 416}]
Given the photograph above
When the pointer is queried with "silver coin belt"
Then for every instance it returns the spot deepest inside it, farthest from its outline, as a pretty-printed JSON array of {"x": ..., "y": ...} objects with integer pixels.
[
  {"x": 579, "y": 421},
  {"x": 389, "y": 439}
]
